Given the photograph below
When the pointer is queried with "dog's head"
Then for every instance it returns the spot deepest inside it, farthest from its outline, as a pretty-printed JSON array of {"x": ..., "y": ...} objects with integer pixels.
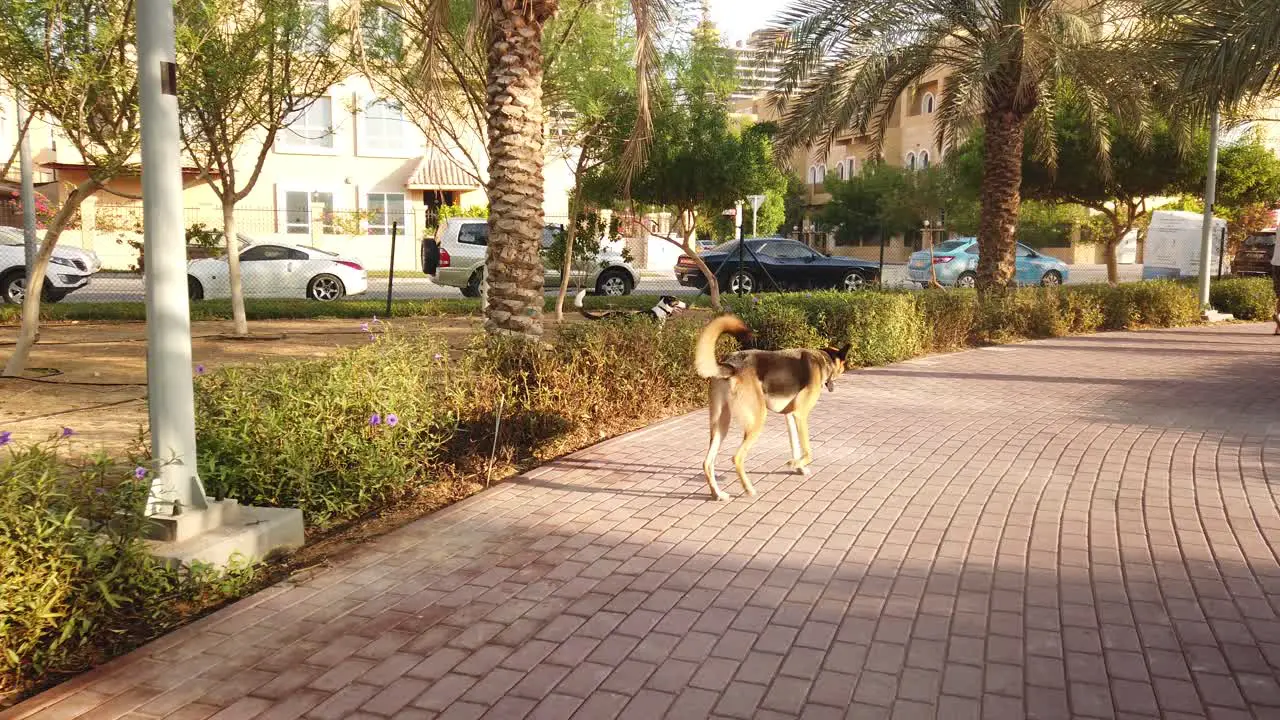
[
  {"x": 673, "y": 305},
  {"x": 838, "y": 357}
]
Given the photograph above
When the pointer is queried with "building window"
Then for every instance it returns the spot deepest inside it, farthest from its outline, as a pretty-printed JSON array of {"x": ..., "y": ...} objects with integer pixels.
[
  {"x": 924, "y": 159},
  {"x": 380, "y": 27},
  {"x": 303, "y": 207},
  {"x": 911, "y": 161},
  {"x": 385, "y": 127},
  {"x": 385, "y": 209},
  {"x": 316, "y": 18},
  {"x": 817, "y": 174},
  {"x": 927, "y": 104},
  {"x": 310, "y": 129},
  {"x": 840, "y": 171},
  {"x": 852, "y": 168}
]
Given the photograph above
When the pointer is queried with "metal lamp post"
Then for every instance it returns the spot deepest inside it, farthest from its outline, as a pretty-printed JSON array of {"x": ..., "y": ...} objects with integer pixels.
[
  {"x": 1210, "y": 191},
  {"x": 171, "y": 406},
  {"x": 28, "y": 191}
]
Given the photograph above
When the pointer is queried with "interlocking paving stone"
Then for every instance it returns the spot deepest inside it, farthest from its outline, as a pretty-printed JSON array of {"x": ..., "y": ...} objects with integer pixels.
[{"x": 1082, "y": 527}]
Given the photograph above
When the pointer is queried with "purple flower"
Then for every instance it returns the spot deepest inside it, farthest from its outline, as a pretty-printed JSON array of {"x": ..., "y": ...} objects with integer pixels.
[
  {"x": 375, "y": 420},
  {"x": 5, "y": 438},
  {"x": 376, "y": 320},
  {"x": 199, "y": 369},
  {"x": 438, "y": 357},
  {"x": 372, "y": 337},
  {"x": 67, "y": 432},
  {"x": 99, "y": 491},
  {"x": 139, "y": 472},
  {"x": 364, "y": 327},
  {"x": 392, "y": 420}
]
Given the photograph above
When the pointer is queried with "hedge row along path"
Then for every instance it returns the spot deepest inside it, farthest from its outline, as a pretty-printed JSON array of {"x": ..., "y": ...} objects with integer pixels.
[{"x": 1078, "y": 527}]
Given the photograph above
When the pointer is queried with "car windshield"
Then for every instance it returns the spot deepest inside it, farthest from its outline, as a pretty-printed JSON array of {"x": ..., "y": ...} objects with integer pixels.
[
  {"x": 951, "y": 245},
  {"x": 318, "y": 250},
  {"x": 1258, "y": 240}
]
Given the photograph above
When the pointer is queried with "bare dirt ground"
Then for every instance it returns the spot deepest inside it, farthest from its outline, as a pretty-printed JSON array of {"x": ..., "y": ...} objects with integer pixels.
[{"x": 91, "y": 377}]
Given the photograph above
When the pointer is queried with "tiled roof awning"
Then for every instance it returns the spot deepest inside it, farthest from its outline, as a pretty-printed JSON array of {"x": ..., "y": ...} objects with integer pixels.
[{"x": 437, "y": 171}]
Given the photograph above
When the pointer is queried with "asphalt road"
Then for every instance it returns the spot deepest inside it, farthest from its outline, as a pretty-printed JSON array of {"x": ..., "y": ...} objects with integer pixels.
[{"x": 115, "y": 287}]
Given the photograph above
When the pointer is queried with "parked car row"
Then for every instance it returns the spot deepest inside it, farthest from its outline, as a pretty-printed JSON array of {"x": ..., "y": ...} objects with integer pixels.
[
  {"x": 760, "y": 264},
  {"x": 955, "y": 264},
  {"x": 280, "y": 271},
  {"x": 69, "y": 269},
  {"x": 455, "y": 257}
]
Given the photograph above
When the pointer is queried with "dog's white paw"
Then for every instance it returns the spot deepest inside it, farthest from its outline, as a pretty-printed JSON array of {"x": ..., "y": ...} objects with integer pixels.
[{"x": 721, "y": 496}]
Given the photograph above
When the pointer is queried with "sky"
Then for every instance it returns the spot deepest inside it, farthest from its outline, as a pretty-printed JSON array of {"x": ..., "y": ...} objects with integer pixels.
[{"x": 738, "y": 18}]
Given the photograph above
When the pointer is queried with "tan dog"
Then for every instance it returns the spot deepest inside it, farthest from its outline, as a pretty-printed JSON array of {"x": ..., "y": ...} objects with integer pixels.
[{"x": 747, "y": 384}]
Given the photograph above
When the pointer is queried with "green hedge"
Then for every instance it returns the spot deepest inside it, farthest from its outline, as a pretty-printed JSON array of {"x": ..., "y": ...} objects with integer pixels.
[
  {"x": 315, "y": 434},
  {"x": 885, "y": 327},
  {"x": 1245, "y": 298},
  {"x": 271, "y": 309}
]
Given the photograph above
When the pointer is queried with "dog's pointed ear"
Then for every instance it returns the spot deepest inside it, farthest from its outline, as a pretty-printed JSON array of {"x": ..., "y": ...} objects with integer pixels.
[{"x": 843, "y": 352}]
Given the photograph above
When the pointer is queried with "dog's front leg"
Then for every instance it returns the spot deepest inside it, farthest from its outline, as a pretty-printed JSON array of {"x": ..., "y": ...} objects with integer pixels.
[{"x": 797, "y": 461}]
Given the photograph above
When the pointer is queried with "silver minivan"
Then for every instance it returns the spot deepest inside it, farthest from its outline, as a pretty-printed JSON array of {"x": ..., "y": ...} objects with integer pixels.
[{"x": 455, "y": 257}]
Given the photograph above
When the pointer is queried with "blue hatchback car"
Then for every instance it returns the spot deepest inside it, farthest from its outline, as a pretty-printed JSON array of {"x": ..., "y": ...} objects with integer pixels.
[{"x": 955, "y": 263}]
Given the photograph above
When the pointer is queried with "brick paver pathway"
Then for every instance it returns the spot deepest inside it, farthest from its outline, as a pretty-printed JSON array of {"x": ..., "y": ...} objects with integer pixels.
[{"x": 1083, "y": 527}]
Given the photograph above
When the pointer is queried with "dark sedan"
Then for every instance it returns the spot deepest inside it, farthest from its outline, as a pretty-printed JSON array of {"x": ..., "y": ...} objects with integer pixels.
[{"x": 775, "y": 264}]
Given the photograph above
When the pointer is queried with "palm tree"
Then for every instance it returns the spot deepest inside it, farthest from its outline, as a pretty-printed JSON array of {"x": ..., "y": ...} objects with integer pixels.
[
  {"x": 1007, "y": 66},
  {"x": 1230, "y": 49},
  {"x": 515, "y": 119}
]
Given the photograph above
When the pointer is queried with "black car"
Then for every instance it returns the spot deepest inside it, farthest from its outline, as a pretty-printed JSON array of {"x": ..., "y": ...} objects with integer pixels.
[{"x": 775, "y": 264}]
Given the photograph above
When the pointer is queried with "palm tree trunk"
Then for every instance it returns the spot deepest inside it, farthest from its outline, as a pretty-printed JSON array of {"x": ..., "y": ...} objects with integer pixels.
[
  {"x": 1001, "y": 198},
  {"x": 514, "y": 265}
]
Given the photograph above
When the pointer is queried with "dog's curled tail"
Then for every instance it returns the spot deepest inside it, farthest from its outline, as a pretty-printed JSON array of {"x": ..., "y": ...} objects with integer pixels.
[{"x": 704, "y": 357}]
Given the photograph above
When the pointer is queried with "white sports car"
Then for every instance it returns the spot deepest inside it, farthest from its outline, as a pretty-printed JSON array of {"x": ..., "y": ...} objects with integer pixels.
[
  {"x": 278, "y": 270},
  {"x": 69, "y": 269}
]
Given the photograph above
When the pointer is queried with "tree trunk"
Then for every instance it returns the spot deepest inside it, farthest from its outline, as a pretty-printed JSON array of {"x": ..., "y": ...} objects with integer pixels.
[
  {"x": 239, "y": 320},
  {"x": 1113, "y": 267},
  {"x": 515, "y": 124},
  {"x": 686, "y": 245},
  {"x": 1001, "y": 199},
  {"x": 566, "y": 270},
  {"x": 35, "y": 279}
]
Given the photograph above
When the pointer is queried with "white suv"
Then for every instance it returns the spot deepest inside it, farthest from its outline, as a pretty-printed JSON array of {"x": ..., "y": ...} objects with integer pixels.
[
  {"x": 69, "y": 269},
  {"x": 456, "y": 258}
]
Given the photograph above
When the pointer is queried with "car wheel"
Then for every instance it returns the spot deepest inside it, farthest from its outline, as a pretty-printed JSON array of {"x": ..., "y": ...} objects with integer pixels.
[
  {"x": 195, "y": 291},
  {"x": 1053, "y": 278},
  {"x": 325, "y": 288},
  {"x": 613, "y": 283},
  {"x": 14, "y": 287},
  {"x": 967, "y": 280},
  {"x": 741, "y": 282},
  {"x": 853, "y": 281},
  {"x": 472, "y": 289}
]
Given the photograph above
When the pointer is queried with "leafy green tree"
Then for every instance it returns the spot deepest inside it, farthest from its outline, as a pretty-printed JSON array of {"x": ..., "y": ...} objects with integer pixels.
[
  {"x": 1121, "y": 192},
  {"x": 1223, "y": 51},
  {"x": 72, "y": 60},
  {"x": 512, "y": 37},
  {"x": 244, "y": 81},
  {"x": 1007, "y": 65}
]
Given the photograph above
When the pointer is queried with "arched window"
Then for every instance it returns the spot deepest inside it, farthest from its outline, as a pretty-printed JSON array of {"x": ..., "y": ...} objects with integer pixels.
[
  {"x": 911, "y": 161},
  {"x": 822, "y": 174},
  {"x": 813, "y": 174},
  {"x": 927, "y": 104},
  {"x": 840, "y": 171},
  {"x": 853, "y": 167},
  {"x": 924, "y": 159}
]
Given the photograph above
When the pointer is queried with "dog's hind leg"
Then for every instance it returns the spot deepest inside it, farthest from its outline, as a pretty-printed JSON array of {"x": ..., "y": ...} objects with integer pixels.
[
  {"x": 720, "y": 416},
  {"x": 793, "y": 435},
  {"x": 752, "y": 427}
]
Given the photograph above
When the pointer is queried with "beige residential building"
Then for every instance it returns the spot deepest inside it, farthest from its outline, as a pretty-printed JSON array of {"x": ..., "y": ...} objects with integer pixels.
[{"x": 338, "y": 177}]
